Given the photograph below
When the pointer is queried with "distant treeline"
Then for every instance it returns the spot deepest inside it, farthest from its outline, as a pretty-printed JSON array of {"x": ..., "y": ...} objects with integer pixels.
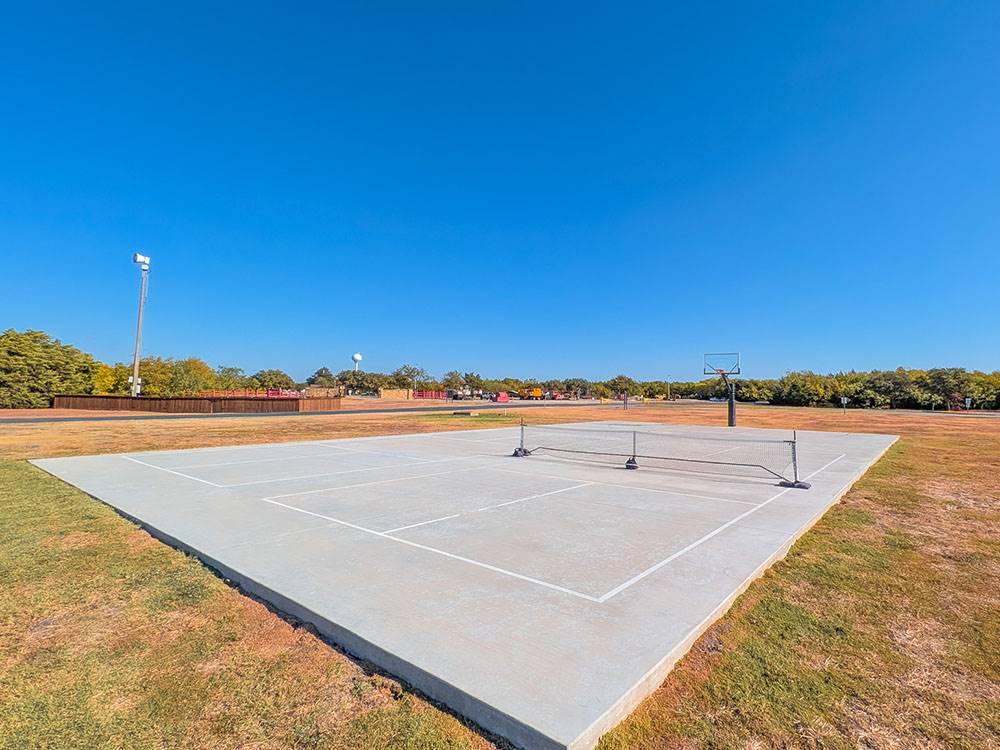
[
  {"x": 902, "y": 388},
  {"x": 34, "y": 367}
]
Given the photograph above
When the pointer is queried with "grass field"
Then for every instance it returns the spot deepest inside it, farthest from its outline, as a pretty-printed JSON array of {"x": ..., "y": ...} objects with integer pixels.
[{"x": 879, "y": 630}]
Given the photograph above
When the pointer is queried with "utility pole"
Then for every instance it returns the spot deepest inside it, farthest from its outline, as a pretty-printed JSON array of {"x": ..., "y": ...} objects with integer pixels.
[{"x": 143, "y": 261}]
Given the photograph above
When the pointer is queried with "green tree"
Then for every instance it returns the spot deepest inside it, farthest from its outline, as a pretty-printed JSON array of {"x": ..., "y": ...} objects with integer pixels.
[
  {"x": 453, "y": 380},
  {"x": 984, "y": 390},
  {"x": 474, "y": 381},
  {"x": 601, "y": 390},
  {"x": 408, "y": 376},
  {"x": 949, "y": 384},
  {"x": 577, "y": 386},
  {"x": 189, "y": 377},
  {"x": 493, "y": 386},
  {"x": 359, "y": 381},
  {"x": 230, "y": 378},
  {"x": 511, "y": 385},
  {"x": 274, "y": 379},
  {"x": 322, "y": 378},
  {"x": 623, "y": 384},
  {"x": 155, "y": 374},
  {"x": 34, "y": 367},
  {"x": 752, "y": 390},
  {"x": 803, "y": 389},
  {"x": 103, "y": 379}
]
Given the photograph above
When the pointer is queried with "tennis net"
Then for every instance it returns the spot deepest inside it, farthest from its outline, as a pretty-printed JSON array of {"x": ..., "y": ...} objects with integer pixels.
[{"x": 622, "y": 445}]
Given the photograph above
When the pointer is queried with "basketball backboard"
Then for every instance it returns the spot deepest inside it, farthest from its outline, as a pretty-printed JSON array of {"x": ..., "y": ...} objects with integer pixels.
[{"x": 727, "y": 363}]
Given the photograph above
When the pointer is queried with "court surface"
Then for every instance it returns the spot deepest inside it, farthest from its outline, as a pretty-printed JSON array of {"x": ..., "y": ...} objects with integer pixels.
[{"x": 542, "y": 597}]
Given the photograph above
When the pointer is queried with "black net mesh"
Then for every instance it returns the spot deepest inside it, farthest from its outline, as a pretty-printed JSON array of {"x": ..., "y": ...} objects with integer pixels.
[{"x": 663, "y": 449}]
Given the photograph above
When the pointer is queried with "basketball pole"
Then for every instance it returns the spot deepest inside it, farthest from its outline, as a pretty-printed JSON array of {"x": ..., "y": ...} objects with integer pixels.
[{"x": 731, "y": 392}]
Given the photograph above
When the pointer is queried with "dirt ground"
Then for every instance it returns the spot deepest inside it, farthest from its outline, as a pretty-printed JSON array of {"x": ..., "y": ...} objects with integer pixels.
[
  {"x": 19, "y": 441},
  {"x": 348, "y": 403}
]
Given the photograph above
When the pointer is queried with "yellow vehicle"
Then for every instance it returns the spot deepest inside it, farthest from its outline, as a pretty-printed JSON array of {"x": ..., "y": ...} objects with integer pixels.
[{"x": 531, "y": 394}]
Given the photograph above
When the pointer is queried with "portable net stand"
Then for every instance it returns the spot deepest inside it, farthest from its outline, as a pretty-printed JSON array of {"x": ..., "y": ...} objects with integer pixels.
[{"x": 679, "y": 452}]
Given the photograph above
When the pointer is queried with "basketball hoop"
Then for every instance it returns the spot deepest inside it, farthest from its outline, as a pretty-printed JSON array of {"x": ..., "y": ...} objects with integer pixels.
[{"x": 724, "y": 365}]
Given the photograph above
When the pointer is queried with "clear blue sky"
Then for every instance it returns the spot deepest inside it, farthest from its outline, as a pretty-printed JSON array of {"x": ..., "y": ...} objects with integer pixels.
[{"x": 536, "y": 189}]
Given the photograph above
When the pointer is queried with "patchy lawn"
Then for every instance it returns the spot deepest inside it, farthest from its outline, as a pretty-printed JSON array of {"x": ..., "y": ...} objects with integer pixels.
[
  {"x": 110, "y": 639},
  {"x": 879, "y": 630}
]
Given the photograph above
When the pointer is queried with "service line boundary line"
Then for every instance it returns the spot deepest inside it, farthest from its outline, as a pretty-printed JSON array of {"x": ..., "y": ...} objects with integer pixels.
[
  {"x": 325, "y": 454},
  {"x": 434, "y": 550},
  {"x": 504, "y": 504},
  {"x": 597, "y": 600},
  {"x": 297, "y": 457},
  {"x": 305, "y": 476},
  {"x": 355, "y": 471},
  {"x": 374, "y": 483},
  {"x": 626, "y": 486},
  {"x": 440, "y": 436},
  {"x": 274, "y": 500},
  {"x": 175, "y": 473},
  {"x": 697, "y": 543}
]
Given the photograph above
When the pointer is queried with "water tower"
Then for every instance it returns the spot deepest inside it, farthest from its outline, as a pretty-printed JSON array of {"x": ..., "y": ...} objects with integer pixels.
[{"x": 356, "y": 358}]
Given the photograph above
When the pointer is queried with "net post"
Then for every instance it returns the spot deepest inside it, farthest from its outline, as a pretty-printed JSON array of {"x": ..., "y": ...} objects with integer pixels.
[
  {"x": 520, "y": 451},
  {"x": 796, "y": 482},
  {"x": 632, "y": 463},
  {"x": 795, "y": 456}
]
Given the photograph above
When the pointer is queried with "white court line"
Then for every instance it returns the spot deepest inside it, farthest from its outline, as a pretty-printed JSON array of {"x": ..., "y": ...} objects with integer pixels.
[
  {"x": 422, "y": 523},
  {"x": 716, "y": 453},
  {"x": 435, "y": 551},
  {"x": 488, "y": 507},
  {"x": 377, "y": 481},
  {"x": 652, "y": 569},
  {"x": 513, "y": 438},
  {"x": 171, "y": 471},
  {"x": 533, "y": 497},
  {"x": 304, "y": 455},
  {"x": 627, "y": 486},
  {"x": 374, "y": 453},
  {"x": 352, "y": 471}
]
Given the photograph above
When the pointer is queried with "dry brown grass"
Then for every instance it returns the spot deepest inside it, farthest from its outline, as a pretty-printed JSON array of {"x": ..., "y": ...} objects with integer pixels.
[{"x": 880, "y": 630}]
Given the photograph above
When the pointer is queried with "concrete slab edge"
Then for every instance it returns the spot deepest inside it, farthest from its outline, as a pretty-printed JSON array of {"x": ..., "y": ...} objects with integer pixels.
[
  {"x": 457, "y": 700},
  {"x": 589, "y": 738},
  {"x": 467, "y": 706}
]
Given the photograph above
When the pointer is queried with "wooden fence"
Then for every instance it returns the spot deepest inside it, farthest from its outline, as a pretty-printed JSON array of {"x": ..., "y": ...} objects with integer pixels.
[
  {"x": 196, "y": 405},
  {"x": 395, "y": 393}
]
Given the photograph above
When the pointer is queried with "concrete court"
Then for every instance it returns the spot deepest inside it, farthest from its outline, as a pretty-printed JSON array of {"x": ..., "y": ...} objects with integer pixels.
[{"x": 541, "y": 597}]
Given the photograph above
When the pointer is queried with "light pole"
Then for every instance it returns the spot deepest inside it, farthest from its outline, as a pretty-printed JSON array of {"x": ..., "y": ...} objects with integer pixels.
[{"x": 143, "y": 262}]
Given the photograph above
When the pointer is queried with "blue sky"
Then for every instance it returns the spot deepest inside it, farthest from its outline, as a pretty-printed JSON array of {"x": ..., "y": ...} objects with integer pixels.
[{"x": 557, "y": 189}]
